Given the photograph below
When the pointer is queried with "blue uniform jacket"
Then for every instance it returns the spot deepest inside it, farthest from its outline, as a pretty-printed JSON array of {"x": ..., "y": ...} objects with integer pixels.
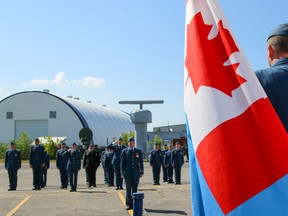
[
  {"x": 177, "y": 158},
  {"x": 274, "y": 80},
  {"x": 167, "y": 160},
  {"x": 129, "y": 166},
  {"x": 61, "y": 159},
  {"x": 12, "y": 159},
  {"x": 74, "y": 160},
  {"x": 37, "y": 155},
  {"x": 47, "y": 160},
  {"x": 108, "y": 160},
  {"x": 156, "y": 158},
  {"x": 117, "y": 154}
]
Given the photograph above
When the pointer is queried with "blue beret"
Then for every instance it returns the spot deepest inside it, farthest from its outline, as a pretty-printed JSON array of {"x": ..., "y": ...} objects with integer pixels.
[
  {"x": 279, "y": 30},
  {"x": 74, "y": 144},
  {"x": 131, "y": 139}
]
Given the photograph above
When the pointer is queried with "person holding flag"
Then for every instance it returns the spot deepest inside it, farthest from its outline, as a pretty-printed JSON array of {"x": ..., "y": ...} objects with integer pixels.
[{"x": 238, "y": 147}]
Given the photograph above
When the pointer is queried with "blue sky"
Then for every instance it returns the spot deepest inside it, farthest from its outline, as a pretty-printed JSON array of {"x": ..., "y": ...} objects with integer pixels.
[{"x": 107, "y": 51}]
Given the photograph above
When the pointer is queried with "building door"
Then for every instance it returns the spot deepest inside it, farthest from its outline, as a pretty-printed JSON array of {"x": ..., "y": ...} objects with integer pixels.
[{"x": 35, "y": 128}]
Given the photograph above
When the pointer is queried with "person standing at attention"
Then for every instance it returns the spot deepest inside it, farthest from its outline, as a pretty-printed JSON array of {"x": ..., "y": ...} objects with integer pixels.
[
  {"x": 132, "y": 169},
  {"x": 37, "y": 162},
  {"x": 12, "y": 164},
  {"x": 73, "y": 166}
]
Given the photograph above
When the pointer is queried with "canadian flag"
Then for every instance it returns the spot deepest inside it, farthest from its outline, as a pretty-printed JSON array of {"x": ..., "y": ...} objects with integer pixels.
[{"x": 238, "y": 146}]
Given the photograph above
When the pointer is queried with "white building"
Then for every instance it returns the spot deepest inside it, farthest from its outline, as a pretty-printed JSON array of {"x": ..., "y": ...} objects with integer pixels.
[{"x": 44, "y": 114}]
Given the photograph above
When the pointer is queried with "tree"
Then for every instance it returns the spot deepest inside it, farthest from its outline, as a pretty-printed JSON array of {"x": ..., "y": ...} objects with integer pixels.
[
  {"x": 3, "y": 148},
  {"x": 158, "y": 140},
  {"x": 23, "y": 144},
  {"x": 126, "y": 136},
  {"x": 51, "y": 147}
]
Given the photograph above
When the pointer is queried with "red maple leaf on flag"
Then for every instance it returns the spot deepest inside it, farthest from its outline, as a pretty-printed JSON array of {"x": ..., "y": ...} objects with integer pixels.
[{"x": 205, "y": 58}]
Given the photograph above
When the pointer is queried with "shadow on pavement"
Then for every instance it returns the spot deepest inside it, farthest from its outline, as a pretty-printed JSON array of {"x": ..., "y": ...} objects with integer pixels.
[{"x": 166, "y": 212}]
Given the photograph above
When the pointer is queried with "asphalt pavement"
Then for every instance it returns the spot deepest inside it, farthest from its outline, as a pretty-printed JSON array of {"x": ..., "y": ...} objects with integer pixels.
[{"x": 164, "y": 199}]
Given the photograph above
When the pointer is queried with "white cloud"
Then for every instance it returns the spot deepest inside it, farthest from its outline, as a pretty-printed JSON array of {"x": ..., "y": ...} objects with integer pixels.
[
  {"x": 61, "y": 81},
  {"x": 90, "y": 82}
]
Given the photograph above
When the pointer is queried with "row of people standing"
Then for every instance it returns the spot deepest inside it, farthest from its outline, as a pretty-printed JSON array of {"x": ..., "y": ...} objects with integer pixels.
[
  {"x": 127, "y": 164},
  {"x": 68, "y": 161},
  {"x": 39, "y": 161},
  {"x": 170, "y": 160},
  {"x": 110, "y": 159}
]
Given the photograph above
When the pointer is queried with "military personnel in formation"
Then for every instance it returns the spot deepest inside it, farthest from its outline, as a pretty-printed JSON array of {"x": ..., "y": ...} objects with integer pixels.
[
  {"x": 91, "y": 161},
  {"x": 116, "y": 163},
  {"x": 109, "y": 166},
  {"x": 131, "y": 164},
  {"x": 156, "y": 160},
  {"x": 37, "y": 162},
  {"x": 167, "y": 163},
  {"x": 45, "y": 169},
  {"x": 73, "y": 166},
  {"x": 164, "y": 168},
  {"x": 61, "y": 164},
  {"x": 12, "y": 164},
  {"x": 177, "y": 160},
  {"x": 103, "y": 155}
]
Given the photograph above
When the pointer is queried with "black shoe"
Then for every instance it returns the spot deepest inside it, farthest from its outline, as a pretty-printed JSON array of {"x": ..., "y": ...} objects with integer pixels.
[
  {"x": 158, "y": 183},
  {"x": 95, "y": 185},
  {"x": 117, "y": 188},
  {"x": 62, "y": 187},
  {"x": 71, "y": 190},
  {"x": 35, "y": 188},
  {"x": 164, "y": 180},
  {"x": 121, "y": 188},
  {"x": 10, "y": 189},
  {"x": 128, "y": 208},
  {"x": 155, "y": 184}
]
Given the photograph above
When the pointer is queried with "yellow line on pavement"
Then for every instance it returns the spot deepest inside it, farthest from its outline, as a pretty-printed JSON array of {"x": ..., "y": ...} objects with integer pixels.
[
  {"x": 124, "y": 201},
  {"x": 18, "y": 206}
]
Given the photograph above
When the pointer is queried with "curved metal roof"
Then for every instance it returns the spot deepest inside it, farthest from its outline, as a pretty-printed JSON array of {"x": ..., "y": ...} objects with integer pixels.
[{"x": 106, "y": 123}]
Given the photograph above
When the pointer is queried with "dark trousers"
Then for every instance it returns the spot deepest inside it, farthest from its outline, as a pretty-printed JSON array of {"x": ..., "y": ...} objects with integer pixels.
[
  {"x": 12, "y": 174},
  {"x": 165, "y": 173},
  {"x": 110, "y": 175},
  {"x": 177, "y": 173},
  {"x": 91, "y": 176},
  {"x": 170, "y": 173},
  {"x": 119, "y": 180},
  {"x": 44, "y": 177},
  {"x": 63, "y": 177},
  {"x": 73, "y": 175},
  {"x": 131, "y": 187},
  {"x": 156, "y": 174},
  {"x": 37, "y": 176}
]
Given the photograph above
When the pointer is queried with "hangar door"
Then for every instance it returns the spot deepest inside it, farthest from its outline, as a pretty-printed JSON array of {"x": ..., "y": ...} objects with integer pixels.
[{"x": 35, "y": 128}]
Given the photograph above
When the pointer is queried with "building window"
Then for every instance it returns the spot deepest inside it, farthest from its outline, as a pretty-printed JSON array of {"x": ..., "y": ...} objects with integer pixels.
[
  {"x": 9, "y": 115},
  {"x": 52, "y": 114}
]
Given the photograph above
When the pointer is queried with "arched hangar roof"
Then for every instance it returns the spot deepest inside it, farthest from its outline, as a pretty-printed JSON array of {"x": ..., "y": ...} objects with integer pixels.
[{"x": 106, "y": 123}]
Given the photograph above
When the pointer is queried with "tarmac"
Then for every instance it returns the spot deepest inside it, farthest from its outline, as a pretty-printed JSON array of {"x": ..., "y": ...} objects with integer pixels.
[{"x": 164, "y": 199}]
